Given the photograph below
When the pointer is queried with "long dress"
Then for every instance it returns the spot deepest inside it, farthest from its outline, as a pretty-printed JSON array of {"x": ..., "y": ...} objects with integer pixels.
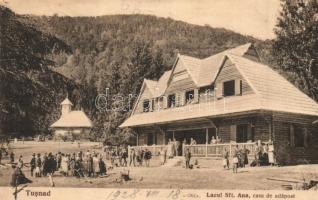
[
  {"x": 271, "y": 159},
  {"x": 170, "y": 151},
  {"x": 96, "y": 168},
  {"x": 64, "y": 164}
]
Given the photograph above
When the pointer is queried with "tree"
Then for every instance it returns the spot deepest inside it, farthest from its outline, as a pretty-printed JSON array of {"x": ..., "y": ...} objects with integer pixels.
[{"x": 296, "y": 45}]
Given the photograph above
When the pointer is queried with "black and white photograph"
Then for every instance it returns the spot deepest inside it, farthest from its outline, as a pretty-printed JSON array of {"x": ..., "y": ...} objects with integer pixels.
[{"x": 162, "y": 99}]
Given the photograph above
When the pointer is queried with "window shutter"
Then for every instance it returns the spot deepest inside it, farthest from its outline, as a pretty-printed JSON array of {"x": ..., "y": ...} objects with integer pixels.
[
  {"x": 182, "y": 98},
  {"x": 150, "y": 105},
  {"x": 233, "y": 133},
  {"x": 219, "y": 90},
  {"x": 292, "y": 135},
  {"x": 238, "y": 87},
  {"x": 196, "y": 96},
  {"x": 165, "y": 101}
]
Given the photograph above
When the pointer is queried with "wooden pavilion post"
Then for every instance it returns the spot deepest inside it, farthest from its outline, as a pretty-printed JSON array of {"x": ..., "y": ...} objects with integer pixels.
[{"x": 206, "y": 141}]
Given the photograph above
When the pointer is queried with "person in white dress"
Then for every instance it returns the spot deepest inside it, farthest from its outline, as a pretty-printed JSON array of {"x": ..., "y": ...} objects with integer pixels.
[
  {"x": 96, "y": 168},
  {"x": 271, "y": 158},
  {"x": 65, "y": 164}
]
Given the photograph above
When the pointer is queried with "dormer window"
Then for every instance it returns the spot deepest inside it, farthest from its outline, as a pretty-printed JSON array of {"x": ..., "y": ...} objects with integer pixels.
[
  {"x": 146, "y": 105},
  {"x": 189, "y": 96},
  {"x": 171, "y": 100},
  {"x": 229, "y": 88}
]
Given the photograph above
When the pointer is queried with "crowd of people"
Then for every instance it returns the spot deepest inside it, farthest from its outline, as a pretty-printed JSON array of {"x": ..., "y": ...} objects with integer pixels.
[
  {"x": 123, "y": 157},
  {"x": 263, "y": 156}
]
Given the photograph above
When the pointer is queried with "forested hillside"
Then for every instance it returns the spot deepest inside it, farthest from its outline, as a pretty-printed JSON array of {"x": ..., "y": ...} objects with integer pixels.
[
  {"x": 118, "y": 52},
  {"x": 115, "y": 52},
  {"x": 30, "y": 92}
]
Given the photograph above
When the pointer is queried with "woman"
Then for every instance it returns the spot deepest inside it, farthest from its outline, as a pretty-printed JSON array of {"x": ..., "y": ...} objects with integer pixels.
[
  {"x": 271, "y": 158},
  {"x": 65, "y": 164},
  {"x": 235, "y": 159},
  {"x": 96, "y": 169}
]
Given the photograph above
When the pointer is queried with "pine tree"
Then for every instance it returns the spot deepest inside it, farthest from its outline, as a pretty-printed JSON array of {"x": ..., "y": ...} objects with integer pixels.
[{"x": 297, "y": 42}]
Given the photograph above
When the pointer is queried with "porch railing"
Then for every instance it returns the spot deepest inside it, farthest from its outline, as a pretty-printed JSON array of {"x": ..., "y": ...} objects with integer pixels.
[
  {"x": 154, "y": 149},
  {"x": 215, "y": 150},
  {"x": 203, "y": 150}
]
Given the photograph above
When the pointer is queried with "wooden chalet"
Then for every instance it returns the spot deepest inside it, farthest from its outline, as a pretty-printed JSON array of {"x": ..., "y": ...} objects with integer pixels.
[{"x": 231, "y": 95}]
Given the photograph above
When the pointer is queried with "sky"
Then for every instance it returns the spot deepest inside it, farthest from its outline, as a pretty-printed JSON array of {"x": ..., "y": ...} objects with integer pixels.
[{"x": 249, "y": 17}]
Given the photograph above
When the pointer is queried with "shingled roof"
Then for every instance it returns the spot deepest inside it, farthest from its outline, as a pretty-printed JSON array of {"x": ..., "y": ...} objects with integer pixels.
[
  {"x": 73, "y": 119},
  {"x": 272, "y": 92}
]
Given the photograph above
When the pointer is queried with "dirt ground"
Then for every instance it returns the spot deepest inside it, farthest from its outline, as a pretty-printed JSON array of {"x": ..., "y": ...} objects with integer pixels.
[{"x": 209, "y": 175}]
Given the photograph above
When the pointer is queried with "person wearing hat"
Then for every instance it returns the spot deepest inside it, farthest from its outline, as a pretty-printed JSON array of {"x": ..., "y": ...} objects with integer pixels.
[
  {"x": 20, "y": 162},
  {"x": 38, "y": 166},
  {"x": 32, "y": 164}
]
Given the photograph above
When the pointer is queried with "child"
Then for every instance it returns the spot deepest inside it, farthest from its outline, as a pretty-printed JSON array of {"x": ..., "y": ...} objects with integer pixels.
[
  {"x": 226, "y": 159},
  {"x": 235, "y": 163}
]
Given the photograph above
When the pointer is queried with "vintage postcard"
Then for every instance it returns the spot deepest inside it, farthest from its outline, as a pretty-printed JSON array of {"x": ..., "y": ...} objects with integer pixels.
[{"x": 162, "y": 99}]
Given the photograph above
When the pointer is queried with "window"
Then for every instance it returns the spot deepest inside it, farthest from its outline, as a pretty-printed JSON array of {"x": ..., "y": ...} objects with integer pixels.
[
  {"x": 146, "y": 106},
  {"x": 171, "y": 100},
  {"x": 298, "y": 136},
  {"x": 229, "y": 88},
  {"x": 189, "y": 96}
]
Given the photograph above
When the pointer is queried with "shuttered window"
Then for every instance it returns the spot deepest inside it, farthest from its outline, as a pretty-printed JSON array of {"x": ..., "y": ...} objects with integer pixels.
[
  {"x": 146, "y": 105},
  {"x": 171, "y": 100},
  {"x": 189, "y": 96},
  {"x": 229, "y": 88}
]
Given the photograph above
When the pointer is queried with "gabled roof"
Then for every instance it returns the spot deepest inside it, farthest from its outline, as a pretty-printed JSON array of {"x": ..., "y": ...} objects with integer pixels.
[
  {"x": 73, "y": 119},
  {"x": 66, "y": 102},
  {"x": 157, "y": 88},
  {"x": 272, "y": 92}
]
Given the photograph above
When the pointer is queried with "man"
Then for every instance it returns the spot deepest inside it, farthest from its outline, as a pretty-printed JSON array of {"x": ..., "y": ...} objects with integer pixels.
[
  {"x": 18, "y": 177},
  {"x": 132, "y": 157},
  {"x": 187, "y": 156},
  {"x": 147, "y": 157},
  {"x": 38, "y": 166},
  {"x": 124, "y": 157},
  {"x": 44, "y": 165},
  {"x": 12, "y": 157},
  {"x": 0, "y": 155},
  {"x": 32, "y": 164},
  {"x": 20, "y": 162}
]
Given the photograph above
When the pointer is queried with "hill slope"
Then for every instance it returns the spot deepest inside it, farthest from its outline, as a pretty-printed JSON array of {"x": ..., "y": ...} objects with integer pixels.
[
  {"x": 30, "y": 92},
  {"x": 118, "y": 52}
]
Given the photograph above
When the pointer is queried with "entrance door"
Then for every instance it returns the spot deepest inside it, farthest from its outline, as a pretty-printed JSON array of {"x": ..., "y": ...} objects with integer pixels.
[{"x": 241, "y": 133}]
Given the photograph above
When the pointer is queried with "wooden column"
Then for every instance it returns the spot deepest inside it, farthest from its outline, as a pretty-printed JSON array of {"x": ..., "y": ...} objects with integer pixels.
[
  {"x": 206, "y": 141},
  {"x": 172, "y": 134},
  {"x": 137, "y": 143}
]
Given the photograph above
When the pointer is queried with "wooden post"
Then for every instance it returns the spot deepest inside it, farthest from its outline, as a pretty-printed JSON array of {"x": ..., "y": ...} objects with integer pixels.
[
  {"x": 164, "y": 138},
  {"x": 137, "y": 143},
  {"x": 206, "y": 141},
  {"x": 172, "y": 134}
]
